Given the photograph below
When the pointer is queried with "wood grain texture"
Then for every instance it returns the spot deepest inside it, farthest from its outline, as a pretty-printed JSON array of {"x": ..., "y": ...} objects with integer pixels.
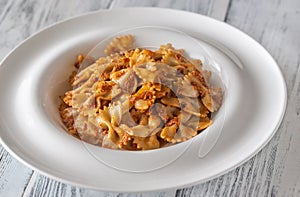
[
  {"x": 191, "y": 5},
  {"x": 43, "y": 186},
  {"x": 274, "y": 171},
  {"x": 13, "y": 175},
  {"x": 219, "y": 9}
]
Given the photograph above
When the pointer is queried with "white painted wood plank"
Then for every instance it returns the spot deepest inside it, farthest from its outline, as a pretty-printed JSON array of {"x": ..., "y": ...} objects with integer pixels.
[
  {"x": 197, "y": 6},
  {"x": 43, "y": 186},
  {"x": 218, "y": 9},
  {"x": 214, "y": 8},
  {"x": 13, "y": 175}
]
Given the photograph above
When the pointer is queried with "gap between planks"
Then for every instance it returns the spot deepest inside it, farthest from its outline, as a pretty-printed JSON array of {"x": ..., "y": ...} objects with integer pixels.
[{"x": 218, "y": 9}]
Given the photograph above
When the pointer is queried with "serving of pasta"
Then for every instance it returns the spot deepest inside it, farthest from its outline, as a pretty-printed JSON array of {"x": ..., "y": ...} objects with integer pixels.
[{"x": 137, "y": 98}]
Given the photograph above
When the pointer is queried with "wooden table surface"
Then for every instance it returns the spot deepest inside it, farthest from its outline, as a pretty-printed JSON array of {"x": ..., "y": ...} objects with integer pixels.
[{"x": 275, "y": 24}]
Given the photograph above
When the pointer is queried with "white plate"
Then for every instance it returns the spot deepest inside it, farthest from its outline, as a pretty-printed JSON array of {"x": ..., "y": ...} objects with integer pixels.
[{"x": 254, "y": 104}]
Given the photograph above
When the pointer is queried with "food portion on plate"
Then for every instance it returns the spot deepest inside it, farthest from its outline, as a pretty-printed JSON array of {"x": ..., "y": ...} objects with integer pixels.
[{"x": 137, "y": 98}]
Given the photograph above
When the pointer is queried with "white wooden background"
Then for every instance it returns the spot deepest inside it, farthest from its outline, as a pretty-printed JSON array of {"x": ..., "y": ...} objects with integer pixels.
[{"x": 274, "y": 171}]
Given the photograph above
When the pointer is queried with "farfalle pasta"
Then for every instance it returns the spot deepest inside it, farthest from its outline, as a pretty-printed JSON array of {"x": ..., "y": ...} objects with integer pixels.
[{"x": 139, "y": 99}]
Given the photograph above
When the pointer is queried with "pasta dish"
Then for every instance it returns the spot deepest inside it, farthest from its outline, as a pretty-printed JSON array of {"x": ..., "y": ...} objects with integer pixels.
[{"x": 137, "y": 98}]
